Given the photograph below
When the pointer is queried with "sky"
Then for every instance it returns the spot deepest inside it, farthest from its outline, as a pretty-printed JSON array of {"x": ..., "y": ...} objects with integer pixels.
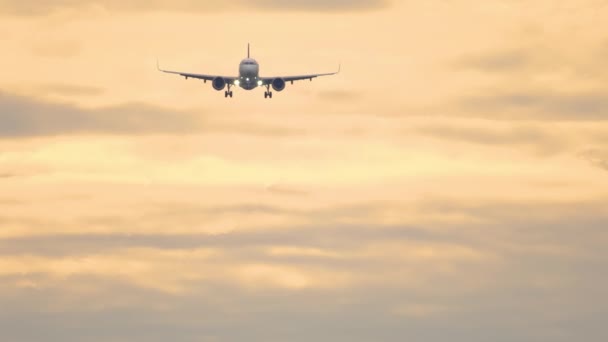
[{"x": 450, "y": 184}]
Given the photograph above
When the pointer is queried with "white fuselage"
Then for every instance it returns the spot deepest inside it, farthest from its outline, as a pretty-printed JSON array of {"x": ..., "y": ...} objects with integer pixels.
[{"x": 249, "y": 74}]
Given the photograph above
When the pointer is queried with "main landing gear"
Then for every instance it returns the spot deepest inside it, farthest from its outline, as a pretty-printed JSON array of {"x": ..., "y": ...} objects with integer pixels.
[
  {"x": 267, "y": 93},
  {"x": 228, "y": 92}
]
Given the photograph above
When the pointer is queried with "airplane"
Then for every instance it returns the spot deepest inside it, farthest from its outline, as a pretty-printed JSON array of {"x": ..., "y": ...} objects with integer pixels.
[{"x": 248, "y": 79}]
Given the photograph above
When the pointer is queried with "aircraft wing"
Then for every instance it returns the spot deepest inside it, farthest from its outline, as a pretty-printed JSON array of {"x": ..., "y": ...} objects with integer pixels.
[
  {"x": 268, "y": 80},
  {"x": 187, "y": 75}
]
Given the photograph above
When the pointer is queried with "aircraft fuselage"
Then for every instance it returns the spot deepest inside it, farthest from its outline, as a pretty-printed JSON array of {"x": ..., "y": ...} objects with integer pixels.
[{"x": 249, "y": 74}]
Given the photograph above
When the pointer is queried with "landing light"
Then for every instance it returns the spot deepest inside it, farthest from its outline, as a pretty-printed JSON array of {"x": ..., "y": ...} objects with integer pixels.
[
  {"x": 260, "y": 83},
  {"x": 237, "y": 82},
  {"x": 247, "y": 79}
]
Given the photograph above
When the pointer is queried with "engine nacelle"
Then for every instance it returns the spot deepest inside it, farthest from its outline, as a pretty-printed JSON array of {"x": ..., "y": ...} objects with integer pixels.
[
  {"x": 218, "y": 83},
  {"x": 278, "y": 84}
]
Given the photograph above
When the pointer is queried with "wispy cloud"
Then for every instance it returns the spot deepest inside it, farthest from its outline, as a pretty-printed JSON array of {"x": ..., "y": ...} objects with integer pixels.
[
  {"x": 344, "y": 96},
  {"x": 53, "y": 48},
  {"x": 68, "y": 89},
  {"x": 503, "y": 61},
  {"x": 597, "y": 158},
  {"x": 23, "y": 116},
  {"x": 539, "y": 105},
  {"x": 21, "y": 8},
  {"x": 321, "y": 5},
  {"x": 437, "y": 273},
  {"x": 531, "y": 137}
]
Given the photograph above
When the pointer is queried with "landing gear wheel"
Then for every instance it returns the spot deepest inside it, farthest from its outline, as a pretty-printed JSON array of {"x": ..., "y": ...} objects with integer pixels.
[
  {"x": 230, "y": 94},
  {"x": 268, "y": 93}
]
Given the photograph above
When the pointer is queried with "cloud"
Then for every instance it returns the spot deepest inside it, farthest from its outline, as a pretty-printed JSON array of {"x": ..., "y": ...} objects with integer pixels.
[
  {"x": 25, "y": 8},
  {"x": 48, "y": 7},
  {"x": 503, "y": 61},
  {"x": 61, "y": 49},
  {"x": 304, "y": 236},
  {"x": 68, "y": 89},
  {"x": 9, "y": 202},
  {"x": 23, "y": 117},
  {"x": 223, "y": 314},
  {"x": 521, "y": 262},
  {"x": 324, "y": 228},
  {"x": 527, "y": 136},
  {"x": 597, "y": 158},
  {"x": 340, "y": 95},
  {"x": 279, "y": 189},
  {"x": 538, "y": 105},
  {"x": 532, "y": 258},
  {"x": 540, "y": 80},
  {"x": 321, "y": 5}
]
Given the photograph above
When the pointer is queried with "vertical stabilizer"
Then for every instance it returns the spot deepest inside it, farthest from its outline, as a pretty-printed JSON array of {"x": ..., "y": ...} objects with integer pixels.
[{"x": 248, "y": 51}]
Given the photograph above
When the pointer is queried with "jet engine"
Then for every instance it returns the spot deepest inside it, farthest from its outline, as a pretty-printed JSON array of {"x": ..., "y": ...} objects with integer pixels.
[
  {"x": 278, "y": 84},
  {"x": 218, "y": 83}
]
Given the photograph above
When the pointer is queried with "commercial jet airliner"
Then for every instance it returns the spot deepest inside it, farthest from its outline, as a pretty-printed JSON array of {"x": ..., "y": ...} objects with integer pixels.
[{"x": 248, "y": 79}]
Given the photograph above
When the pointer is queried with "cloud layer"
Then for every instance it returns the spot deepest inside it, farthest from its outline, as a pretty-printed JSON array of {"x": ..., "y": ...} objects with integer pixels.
[
  {"x": 437, "y": 277},
  {"x": 21, "y": 8},
  {"x": 437, "y": 189},
  {"x": 26, "y": 117}
]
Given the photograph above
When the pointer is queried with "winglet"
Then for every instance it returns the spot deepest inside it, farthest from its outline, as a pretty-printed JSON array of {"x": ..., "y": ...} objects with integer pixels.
[
  {"x": 339, "y": 68},
  {"x": 248, "y": 56},
  {"x": 157, "y": 65}
]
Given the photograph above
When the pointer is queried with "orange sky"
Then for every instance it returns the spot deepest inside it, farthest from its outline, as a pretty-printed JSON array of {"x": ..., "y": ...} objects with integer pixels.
[{"x": 450, "y": 183}]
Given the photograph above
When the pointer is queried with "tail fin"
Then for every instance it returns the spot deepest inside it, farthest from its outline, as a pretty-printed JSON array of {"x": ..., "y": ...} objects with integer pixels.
[{"x": 248, "y": 51}]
